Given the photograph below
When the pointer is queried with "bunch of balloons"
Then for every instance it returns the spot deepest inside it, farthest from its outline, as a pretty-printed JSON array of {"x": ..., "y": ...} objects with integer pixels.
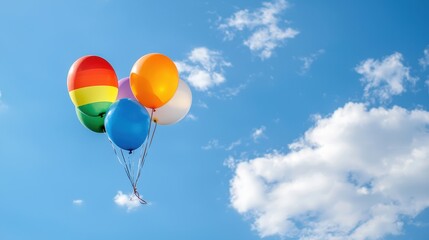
[{"x": 128, "y": 110}]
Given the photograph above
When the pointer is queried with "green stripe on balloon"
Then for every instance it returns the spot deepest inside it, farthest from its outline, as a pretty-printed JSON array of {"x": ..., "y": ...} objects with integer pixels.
[
  {"x": 94, "y": 109},
  {"x": 95, "y": 124}
]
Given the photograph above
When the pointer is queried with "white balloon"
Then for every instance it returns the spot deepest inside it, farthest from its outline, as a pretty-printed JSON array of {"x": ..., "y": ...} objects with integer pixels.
[{"x": 175, "y": 109}]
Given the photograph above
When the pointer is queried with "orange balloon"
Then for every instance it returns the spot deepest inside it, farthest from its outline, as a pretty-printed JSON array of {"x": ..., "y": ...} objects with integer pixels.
[{"x": 154, "y": 80}]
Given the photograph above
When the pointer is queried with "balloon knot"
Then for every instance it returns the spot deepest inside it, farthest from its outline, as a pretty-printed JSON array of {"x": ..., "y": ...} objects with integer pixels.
[{"x": 136, "y": 193}]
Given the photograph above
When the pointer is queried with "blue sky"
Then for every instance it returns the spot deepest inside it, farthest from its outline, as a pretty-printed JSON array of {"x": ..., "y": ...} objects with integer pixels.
[{"x": 309, "y": 121}]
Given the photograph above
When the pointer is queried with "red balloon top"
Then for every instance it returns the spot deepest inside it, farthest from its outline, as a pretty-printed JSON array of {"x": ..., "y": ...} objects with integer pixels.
[{"x": 91, "y": 71}]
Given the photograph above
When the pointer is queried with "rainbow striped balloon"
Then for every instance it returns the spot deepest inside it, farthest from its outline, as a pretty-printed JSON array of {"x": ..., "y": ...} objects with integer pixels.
[{"x": 93, "y": 85}]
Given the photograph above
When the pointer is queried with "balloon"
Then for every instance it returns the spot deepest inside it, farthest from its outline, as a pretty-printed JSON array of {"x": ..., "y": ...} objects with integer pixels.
[
  {"x": 95, "y": 124},
  {"x": 175, "y": 109},
  {"x": 127, "y": 124},
  {"x": 125, "y": 89},
  {"x": 154, "y": 79},
  {"x": 92, "y": 85}
]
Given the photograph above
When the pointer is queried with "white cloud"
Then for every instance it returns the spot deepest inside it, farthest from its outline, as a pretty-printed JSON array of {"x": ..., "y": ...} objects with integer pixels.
[
  {"x": 263, "y": 27},
  {"x": 215, "y": 144},
  {"x": 191, "y": 117},
  {"x": 212, "y": 144},
  {"x": 424, "y": 61},
  {"x": 258, "y": 133},
  {"x": 309, "y": 60},
  {"x": 129, "y": 201},
  {"x": 233, "y": 145},
  {"x": 230, "y": 162},
  {"x": 384, "y": 78},
  {"x": 202, "y": 104},
  {"x": 357, "y": 174},
  {"x": 3, "y": 105},
  {"x": 203, "y": 69},
  {"x": 78, "y": 202},
  {"x": 230, "y": 92}
]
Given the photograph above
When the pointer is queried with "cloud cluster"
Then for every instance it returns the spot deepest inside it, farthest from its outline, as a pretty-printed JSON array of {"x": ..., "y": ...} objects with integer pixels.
[
  {"x": 424, "y": 61},
  {"x": 262, "y": 27},
  {"x": 357, "y": 174},
  {"x": 384, "y": 78},
  {"x": 128, "y": 201},
  {"x": 203, "y": 68}
]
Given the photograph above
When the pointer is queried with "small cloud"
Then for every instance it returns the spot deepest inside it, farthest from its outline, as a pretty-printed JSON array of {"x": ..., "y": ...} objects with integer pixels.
[
  {"x": 129, "y": 201},
  {"x": 3, "y": 105},
  {"x": 309, "y": 60},
  {"x": 78, "y": 202},
  {"x": 202, "y": 104},
  {"x": 215, "y": 144},
  {"x": 233, "y": 145},
  {"x": 384, "y": 78},
  {"x": 264, "y": 33},
  {"x": 191, "y": 117},
  {"x": 232, "y": 91},
  {"x": 258, "y": 133},
  {"x": 212, "y": 144},
  {"x": 424, "y": 61},
  {"x": 230, "y": 162},
  {"x": 203, "y": 69}
]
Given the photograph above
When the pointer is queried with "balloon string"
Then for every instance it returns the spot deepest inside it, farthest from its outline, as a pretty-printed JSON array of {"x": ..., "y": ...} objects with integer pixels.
[
  {"x": 148, "y": 144},
  {"x": 136, "y": 193},
  {"x": 123, "y": 163},
  {"x": 127, "y": 164},
  {"x": 128, "y": 167},
  {"x": 153, "y": 133},
  {"x": 130, "y": 177},
  {"x": 129, "y": 174}
]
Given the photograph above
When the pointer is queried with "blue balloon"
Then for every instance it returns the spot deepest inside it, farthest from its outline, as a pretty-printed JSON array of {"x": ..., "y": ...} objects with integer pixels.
[{"x": 127, "y": 124}]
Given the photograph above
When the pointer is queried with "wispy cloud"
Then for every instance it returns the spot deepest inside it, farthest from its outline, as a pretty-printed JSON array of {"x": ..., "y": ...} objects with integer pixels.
[
  {"x": 215, "y": 144},
  {"x": 202, "y": 104},
  {"x": 78, "y": 202},
  {"x": 212, "y": 144},
  {"x": 233, "y": 145},
  {"x": 255, "y": 136},
  {"x": 258, "y": 133},
  {"x": 356, "y": 174},
  {"x": 262, "y": 27},
  {"x": 309, "y": 60},
  {"x": 3, "y": 105},
  {"x": 230, "y": 162},
  {"x": 384, "y": 78},
  {"x": 203, "y": 68},
  {"x": 230, "y": 92},
  {"x": 128, "y": 201},
  {"x": 192, "y": 117},
  {"x": 424, "y": 61}
]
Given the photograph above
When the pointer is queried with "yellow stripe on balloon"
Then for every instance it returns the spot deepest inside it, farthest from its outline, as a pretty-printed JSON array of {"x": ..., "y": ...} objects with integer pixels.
[{"x": 93, "y": 94}]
